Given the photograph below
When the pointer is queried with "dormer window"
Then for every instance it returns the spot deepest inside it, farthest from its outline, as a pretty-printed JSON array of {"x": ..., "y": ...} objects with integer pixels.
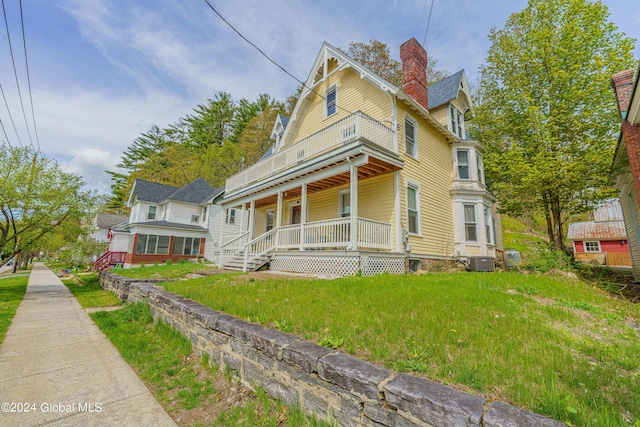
[
  {"x": 151, "y": 214},
  {"x": 457, "y": 121},
  {"x": 332, "y": 101}
]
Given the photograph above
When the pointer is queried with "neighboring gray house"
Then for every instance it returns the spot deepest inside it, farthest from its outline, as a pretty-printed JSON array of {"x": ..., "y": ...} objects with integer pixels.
[
  {"x": 103, "y": 223},
  {"x": 171, "y": 223}
]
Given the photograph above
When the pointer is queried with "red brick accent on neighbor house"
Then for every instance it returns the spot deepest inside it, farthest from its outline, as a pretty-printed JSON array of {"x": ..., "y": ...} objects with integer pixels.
[
  {"x": 414, "y": 71},
  {"x": 622, "y": 83}
]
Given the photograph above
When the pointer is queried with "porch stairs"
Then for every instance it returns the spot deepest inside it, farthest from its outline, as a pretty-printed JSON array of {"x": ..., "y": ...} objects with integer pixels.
[
  {"x": 253, "y": 264},
  {"x": 109, "y": 260}
]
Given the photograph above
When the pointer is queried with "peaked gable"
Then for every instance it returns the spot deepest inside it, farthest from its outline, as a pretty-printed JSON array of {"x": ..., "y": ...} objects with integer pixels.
[
  {"x": 147, "y": 191},
  {"x": 196, "y": 192},
  {"x": 448, "y": 89}
]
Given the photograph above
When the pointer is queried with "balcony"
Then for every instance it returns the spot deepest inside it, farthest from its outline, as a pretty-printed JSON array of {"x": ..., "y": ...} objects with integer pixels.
[{"x": 357, "y": 126}]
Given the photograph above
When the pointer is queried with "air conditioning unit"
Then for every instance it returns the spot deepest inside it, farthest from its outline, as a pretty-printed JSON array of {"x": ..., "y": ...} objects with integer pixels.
[{"x": 481, "y": 263}]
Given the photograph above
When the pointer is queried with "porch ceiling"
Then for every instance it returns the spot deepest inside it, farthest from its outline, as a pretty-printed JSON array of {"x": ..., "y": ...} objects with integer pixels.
[{"x": 374, "y": 167}]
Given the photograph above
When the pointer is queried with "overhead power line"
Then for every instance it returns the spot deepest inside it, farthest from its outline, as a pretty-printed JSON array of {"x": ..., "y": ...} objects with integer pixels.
[
  {"x": 10, "y": 116},
  {"x": 268, "y": 57},
  {"x": 15, "y": 73},
  {"x": 428, "y": 21},
  {"x": 26, "y": 63}
]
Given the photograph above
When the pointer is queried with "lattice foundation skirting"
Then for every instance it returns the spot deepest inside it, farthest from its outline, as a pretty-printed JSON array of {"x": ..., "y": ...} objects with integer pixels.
[{"x": 340, "y": 265}]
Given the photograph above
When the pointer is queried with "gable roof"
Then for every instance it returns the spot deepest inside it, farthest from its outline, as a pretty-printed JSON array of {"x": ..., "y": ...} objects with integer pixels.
[
  {"x": 105, "y": 220},
  {"x": 147, "y": 191},
  {"x": 445, "y": 90},
  {"x": 196, "y": 192}
]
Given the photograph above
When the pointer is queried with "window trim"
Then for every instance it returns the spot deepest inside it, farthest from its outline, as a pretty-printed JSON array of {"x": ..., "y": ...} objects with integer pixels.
[
  {"x": 148, "y": 238},
  {"x": 266, "y": 219},
  {"x": 414, "y": 124},
  {"x": 195, "y": 218},
  {"x": 230, "y": 216},
  {"x": 467, "y": 223},
  {"x": 460, "y": 165},
  {"x": 597, "y": 242},
  {"x": 331, "y": 89},
  {"x": 456, "y": 119},
  {"x": 341, "y": 212},
  {"x": 488, "y": 225},
  {"x": 416, "y": 187},
  {"x": 480, "y": 167},
  {"x": 149, "y": 213}
]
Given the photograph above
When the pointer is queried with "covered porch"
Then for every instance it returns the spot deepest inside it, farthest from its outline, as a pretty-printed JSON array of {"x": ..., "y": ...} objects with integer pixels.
[{"x": 340, "y": 204}]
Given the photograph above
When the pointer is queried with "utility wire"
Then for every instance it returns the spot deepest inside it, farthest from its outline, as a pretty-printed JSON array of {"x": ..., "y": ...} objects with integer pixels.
[
  {"x": 13, "y": 123},
  {"x": 269, "y": 58},
  {"x": 26, "y": 62},
  {"x": 5, "y": 133},
  {"x": 15, "y": 73},
  {"x": 428, "y": 21}
]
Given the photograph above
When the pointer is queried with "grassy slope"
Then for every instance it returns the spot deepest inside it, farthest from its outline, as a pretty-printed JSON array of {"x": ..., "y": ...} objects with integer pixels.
[{"x": 556, "y": 346}]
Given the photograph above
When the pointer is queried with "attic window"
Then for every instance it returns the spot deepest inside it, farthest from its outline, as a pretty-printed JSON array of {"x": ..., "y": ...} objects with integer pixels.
[
  {"x": 151, "y": 214},
  {"x": 332, "y": 101},
  {"x": 195, "y": 218}
]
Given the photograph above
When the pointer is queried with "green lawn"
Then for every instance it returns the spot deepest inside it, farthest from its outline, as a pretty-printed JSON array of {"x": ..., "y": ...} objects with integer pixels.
[
  {"x": 191, "y": 389},
  {"x": 12, "y": 290},
  {"x": 87, "y": 290},
  {"x": 162, "y": 271},
  {"x": 558, "y": 347}
]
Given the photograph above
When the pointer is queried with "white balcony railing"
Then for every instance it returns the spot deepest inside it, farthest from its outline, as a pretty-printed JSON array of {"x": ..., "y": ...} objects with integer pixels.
[{"x": 353, "y": 127}]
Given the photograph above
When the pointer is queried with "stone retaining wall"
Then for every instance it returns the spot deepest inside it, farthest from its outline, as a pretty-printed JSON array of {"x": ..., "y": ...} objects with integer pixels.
[{"x": 331, "y": 384}]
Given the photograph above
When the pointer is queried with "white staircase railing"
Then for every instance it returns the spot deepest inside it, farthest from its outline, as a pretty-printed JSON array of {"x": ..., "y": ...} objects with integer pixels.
[
  {"x": 232, "y": 248},
  {"x": 259, "y": 246}
]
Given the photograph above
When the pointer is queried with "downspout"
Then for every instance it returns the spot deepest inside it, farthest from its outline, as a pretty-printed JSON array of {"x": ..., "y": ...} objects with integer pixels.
[{"x": 397, "y": 178}]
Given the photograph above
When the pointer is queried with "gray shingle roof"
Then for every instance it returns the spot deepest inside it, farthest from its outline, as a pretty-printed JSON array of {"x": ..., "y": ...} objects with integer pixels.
[
  {"x": 104, "y": 220},
  {"x": 284, "y": 119},
  {"x": 167, "y": 224},
  {"x": 153, "y": 192},
  {"x": 445, "y": 90},
  {"x": 196, "y": 192}
]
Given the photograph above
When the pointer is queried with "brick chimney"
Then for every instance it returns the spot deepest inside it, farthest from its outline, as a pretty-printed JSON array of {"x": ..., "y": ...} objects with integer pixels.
[
  {"x": 622, "y": 83},
  {"x": 414, "y": 71}
]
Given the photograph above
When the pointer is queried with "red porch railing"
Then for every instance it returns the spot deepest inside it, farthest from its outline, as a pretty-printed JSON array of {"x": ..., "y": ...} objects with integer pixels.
[{"x": 108, "y": 260}]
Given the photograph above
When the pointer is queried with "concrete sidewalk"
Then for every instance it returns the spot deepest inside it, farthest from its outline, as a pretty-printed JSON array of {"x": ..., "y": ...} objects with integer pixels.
[{"x": 56, "y": 364}]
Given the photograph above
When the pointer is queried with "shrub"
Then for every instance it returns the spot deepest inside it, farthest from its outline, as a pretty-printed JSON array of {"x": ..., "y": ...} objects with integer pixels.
[{"x": 548, "y": 258}]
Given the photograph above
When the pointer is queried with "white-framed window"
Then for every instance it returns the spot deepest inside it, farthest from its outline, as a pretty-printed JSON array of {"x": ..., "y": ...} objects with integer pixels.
[
  {"x": 410, "y": 137},
  {"x": 457, "y": 121},
  {"x": 270, "y": 220},
  {"x": 152, "y": 244},
  {"x": 186, "y": 246},
  {"x": 592, "y": 246},
  {"x": 195, "y": 218},
  {"x": 463, "y": 164},
  {"x": 331, "y": 96},
  {"x": 231, "y": 216},
  {"x": 151, "y": 213},
  {"x": 204, "y": 213},
  {"x": 413, "y": 208},
  {"x": 480, "y": 166},
  {"x": 470, "y": 223},
  {"x": 344, "y": 204},
  {"x": 487, "y": 224}
]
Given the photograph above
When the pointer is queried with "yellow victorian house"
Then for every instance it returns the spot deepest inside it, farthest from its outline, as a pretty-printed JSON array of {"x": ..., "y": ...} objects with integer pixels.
[{"x": 365, "y": 177}]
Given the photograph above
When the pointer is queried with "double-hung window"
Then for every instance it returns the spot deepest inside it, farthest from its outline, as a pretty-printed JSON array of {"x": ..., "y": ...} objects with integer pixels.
[
  {"x": 457, "y": 122},
  {"x": 413, "y": 209},
  {"x": 487, "y": 224},
  {"x": 592, "y": 246},
  {"x": 151, "y": 214},
  {"x": 332, "y": 101},
  {"x": 480, "y": 166},
  {"x": 151, "y": 244},
  {"x": 470, "y": 225},
  {"x": 410, "y": 145},
  {"x": 463, "y": 164},
  {"x": 231, "y": 216}
]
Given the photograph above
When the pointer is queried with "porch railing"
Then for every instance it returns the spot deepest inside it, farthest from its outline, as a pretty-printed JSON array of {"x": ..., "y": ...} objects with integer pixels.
[
  {"x": 109, "y": 259},
  {"x": 232, "y": 248},
  {"x": 259, "y": 246},
  {"x": 353, "y": 127}
]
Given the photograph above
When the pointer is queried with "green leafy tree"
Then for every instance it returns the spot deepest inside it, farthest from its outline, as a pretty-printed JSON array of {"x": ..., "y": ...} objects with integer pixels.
[
  {"x": 547, "y": 115},
  {"x": 36, "y": 198},
  {"x": 376, "y": 56}
]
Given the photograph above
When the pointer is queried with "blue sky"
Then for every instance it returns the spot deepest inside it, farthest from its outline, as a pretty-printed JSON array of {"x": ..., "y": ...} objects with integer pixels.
[{"x": 103, "y": 71}]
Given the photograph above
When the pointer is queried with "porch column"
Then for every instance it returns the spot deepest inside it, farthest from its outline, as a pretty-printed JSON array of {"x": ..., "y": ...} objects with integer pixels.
[
  {"x": 242, "y": 218},
  {"x": 303, "y": 215},
  {"x": 252, "y": 215},
  {"x": 353, "y": 193},
  {"x": 397, "y": 211},
  {"x": 278, "y": 219},
  {"x": 220, "y": 240}
]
